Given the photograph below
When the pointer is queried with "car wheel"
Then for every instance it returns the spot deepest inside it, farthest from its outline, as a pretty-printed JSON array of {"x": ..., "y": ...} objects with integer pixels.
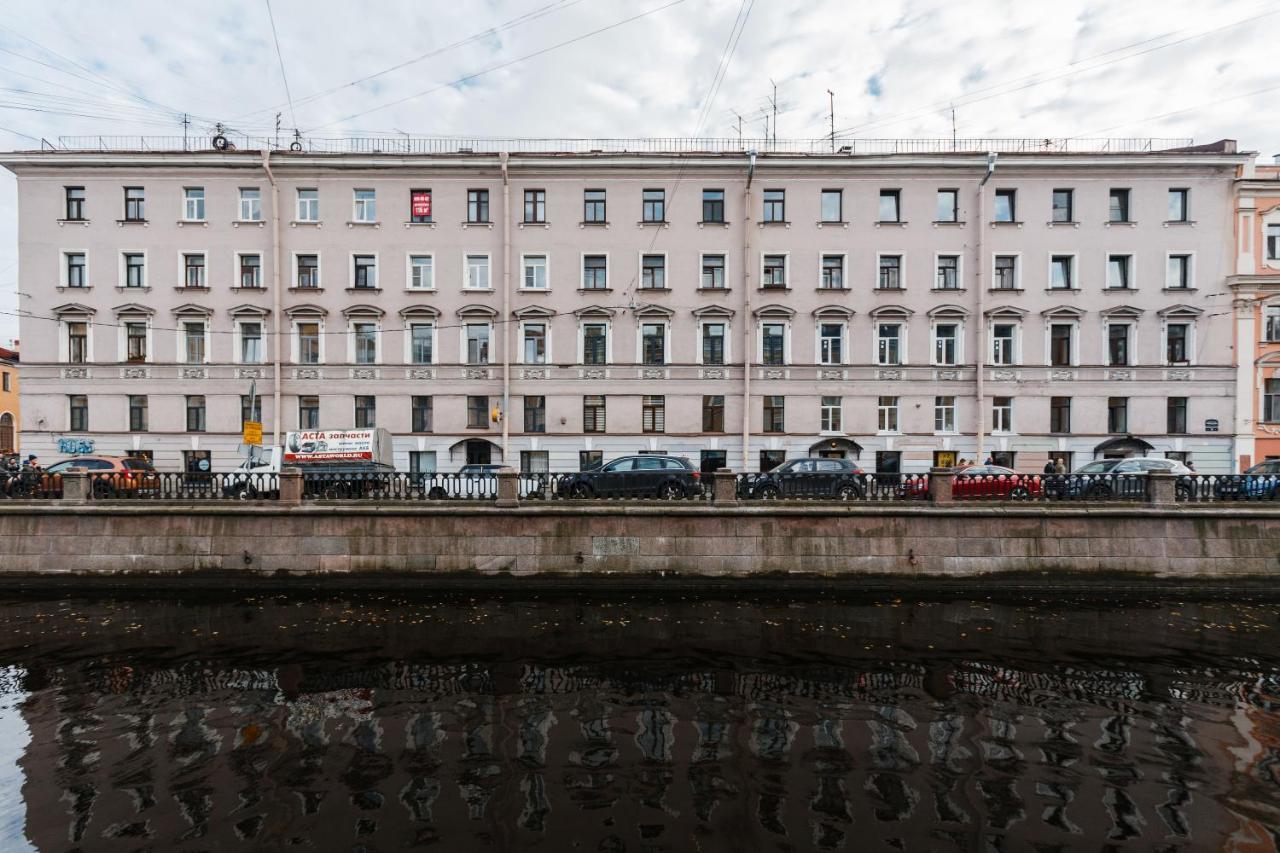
[
  {"x": 103, "y": 489},
  {"x": 671, "y": 491},
  {"x": 1019, "y": 493},
  {"x": 245, "y": 493},
  {"x": 768, "y": 493},
  {"x": 580, "y": 491},
  {"x": 1097, "y": 492},
  {"x": 850, "y": 492},
  {"x": 435, "y": 493}
]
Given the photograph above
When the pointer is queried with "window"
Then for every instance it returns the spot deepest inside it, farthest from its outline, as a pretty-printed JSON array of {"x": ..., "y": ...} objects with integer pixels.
[
  {"x": 535, "y": 205},
  {"x": 76, "y": 271},
  {"x": 535, "y": 461},
  {"x": 193, "y": 343},
  {"x": 948, "y": 272},
  {"x": 308, "y": 205},
  {"x": 1060, "y": 344},
  {"x": 831, "y": 343},
  {"x": 1176, "y": 415},
  {"x": 420, "y": 205},
  {"x": 775, "y": 206},
  {"x": 308, "y": 413},
  {"x": 1271, "y": 401},
  {"x": 193, "y": 204},
  {"x": 365, "y": 337},
  {"x": 1003, "y": 338},
  {"x": 1179, "y": 204},
  {"x": 365, "y": 206},
  {"x": 1119, "y": 268},
  {"x": 890, "y": 277},
  {"x": 1273, "y": 242},
  {"x": 78, "y": 413},
  {"x": 1063, "y": 205},
  {"x": 1060, "y": 269},
  {"x": 308, "y": 271},
  {"x": 1006, "y": 205},
  {"x": 135, "y": 336},
  {"x": 1117, "y": 414},
  {"x": 422, "y": 272},
  {"x": 77, "y": 342},
  {"x": 948, "y": 206},
  {"x": 595, "y": 272},
  {"x": 193, "y": 270},
  {"x": 770, "y": 459},
  {"x": 1060, "y": 415},
  {"x": 1002, "y": 414},
  {"x": 713, "y": 206},
  {"x": 593, "y": 206},
  {"x": 595, "y": 343},
  {"x": 75, "y": 203},
  {"x": 1177, "y": 343},
  {"x": 366, "y": 411},
  {"x": 1006, "y": 272},
  {"x": 1118, "y": 206},
  {"x": 535, "y": 343},
  {"x": 250, "y": 409},
  {"x": 832, "y": 272},
  {"x": 773, "y": 344},
  {"x": 419, "y": 414},
  {"x": 477, "y": 272},
  {"x": 653, "y": 272},
  {"x": 195, "y": 413},
  {"x": 653, "y": 343},
  {"x": 364, "y": 270},
  {"x": 135, "y": 270},
  {"x": 1118, "y": 344},
  {"x": 653, "y": 414},
  {"x": 831, "y": 415},
  {"x": 888, "y": 343},
  {"x": 713, "y": 413},
  {"x": 477, "y": 343},
  {"x": 890, "y": 206},
  {"x": 1178, "y": 276},
  {"x": 593, "y": 413},
  {"x": 478, "y": 206},
  {"x": 535, "y": 272},
  {"x": 137, "y": 413},
  {"x": 887, "y": 414},
  {"x": 251, "y": 271},
  {"x": 535, "y": 414},
  {"x": 774, "y": 414},
  {"x": 589, "y": 460},
  {"x": 712, "y": 272},
  {"x": 946, "y": 341},
  {"x": 308, "y": 343},
  {"x": 832, "y": 203},
  {"x": 421, "y": 342},
  {"x": 135, "y": 204},
  {"x": 250, "y": 204},
  {"x": 1271, "y": 324},
  {"x": 713, "y": 343},
  {"x": 654, "y": 206},
  {"x": 251, "y": 342},
  {"x": 944, "y": 414},
  {"x": 774, "y": 273}
]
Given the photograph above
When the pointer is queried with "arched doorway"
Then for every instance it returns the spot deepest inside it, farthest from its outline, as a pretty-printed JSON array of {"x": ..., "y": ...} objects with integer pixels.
[
  {"x": 1122, "y": 447},
  {"x": 6, "y": 433},
  {"x": 835, "y": 448}
]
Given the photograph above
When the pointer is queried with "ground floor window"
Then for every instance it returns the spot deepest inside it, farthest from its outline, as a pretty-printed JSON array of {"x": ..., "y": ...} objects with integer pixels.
[
  {"x": 422, "y": 461},
  {"x": 944, "y": 459},
  {"x": 589, "y": 460},
  {"x": 888, "y": 462},
  {"x": 144, "y": 455},
  {"x": 1063, "y": 456},
  {"x": 1003, "y": 458},
  {"x": 713, "y": 460},
  {"x": 197, "y": 462},
  {"x": 534, "y": 462},
  {"x": 1182, "y": 456},
  {"x": 770, "y": 459}
]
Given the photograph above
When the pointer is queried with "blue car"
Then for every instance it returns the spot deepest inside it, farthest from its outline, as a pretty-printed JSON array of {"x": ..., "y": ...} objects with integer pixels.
[{"x": 1260, "y": 482}]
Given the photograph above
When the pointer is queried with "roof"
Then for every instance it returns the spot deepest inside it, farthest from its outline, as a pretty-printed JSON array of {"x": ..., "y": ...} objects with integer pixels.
[{"x": 8, "y": 355}]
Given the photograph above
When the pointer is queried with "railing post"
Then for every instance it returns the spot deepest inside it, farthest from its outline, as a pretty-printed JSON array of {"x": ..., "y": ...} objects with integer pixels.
[
  {"x": 724, "y": 487},
  {"x": 291, "y": 486},
  {"x": 508, "y": 488},
  {"x": 940, "y": 481},
  {"x": 75, "y": 485},
  {"x": 1162, "y": 488}
]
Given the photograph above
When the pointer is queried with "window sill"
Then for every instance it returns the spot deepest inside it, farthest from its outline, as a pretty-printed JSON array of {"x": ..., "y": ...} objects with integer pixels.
[
  {"x": 419, "y": 290},
  {"x": 1130, "y": 222},
  {"x": 832, "y": 289},
  {"x": 1004, "y": 290},
  {"x": 351, "y": 223},
  {"x": 653, "y": 290},
  {"x": 1178, "y": 289},
  {"x": 766, "y": 223},
  {"x": 901, "y": 223},
  {"x": 477, "y": 290},
  {"x": 124, "y": 222},
  {"x": 1177, "y": 222},
  {"x": 191, "y": 290},
  {"x": 62, "y": 288},
  {"x": 659, "y": 223},
  {"x": 312, "y": 223},
  {"x": 603, "y": 223},
  {"x": 183, "y": 223},
  {"x": 713, "y": 222},
  {"x": 412, "y": 224},
  {"x": 306, "y": 290},
  {"x": 1119, "y": 290},
  {"x": 775, "y": 288},
  {"x": 73, "y": 221},
  {"x": 469, "y": 224},
  {"x": 248, "y": 290},
  {"x": 542, "y": 222},
  {"x": 1005, "y": 223},
  {"x": 1062, "y": 290},
  {"x": 1053, "y": 223},
  {"x": 714, "y": 289},
  {"x": 948, "y": 223},
  {"x": 595, "y": 290},
  {"x": 364, "y": 290},
  {"x": 236, "y": 223},
  {"x": 533, "y": 290},
  {"x": 948, "y": 289},
  {"x": 120, "y": 289},
  {"x": 888, "y": 289}
]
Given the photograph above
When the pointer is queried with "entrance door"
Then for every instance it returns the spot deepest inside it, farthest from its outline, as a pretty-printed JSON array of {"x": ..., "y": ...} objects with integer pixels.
[
  {"x": 1003, "y": 458},
  {"x": 944, "y": 459},
  {"x": 831, "y": 454},
  {"x": 479, "y": 452},
  {"x": 888, "y": 462},
  {"x": 713, "y": 460}
]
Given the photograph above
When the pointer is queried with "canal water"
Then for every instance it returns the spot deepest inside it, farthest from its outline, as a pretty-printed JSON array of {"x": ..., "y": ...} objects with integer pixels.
[{"x": 388, "y": 723}]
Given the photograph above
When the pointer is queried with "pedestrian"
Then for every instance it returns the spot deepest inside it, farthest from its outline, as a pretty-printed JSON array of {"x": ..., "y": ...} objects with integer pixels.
[
  {"x": 1191, "y": 466},
  {"x": 1059, "y": 467},
  {"x": 1049, "y": 467},
  {"x": 32, "y": 463},
  {"x": 990, "y": 461}
]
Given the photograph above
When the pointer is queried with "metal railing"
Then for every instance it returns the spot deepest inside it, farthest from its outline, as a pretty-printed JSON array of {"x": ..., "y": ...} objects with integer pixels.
[
  {"x": 398, "y": 486},
  {"x": 1049, "y": 487},
  {"x": 183, "y": 486},
  {"x": 595, "y": 485},
  {"x": 860, "y": 487},
  {"x": 30, "y": 485},
  {"x": 1203, "y": 488}
]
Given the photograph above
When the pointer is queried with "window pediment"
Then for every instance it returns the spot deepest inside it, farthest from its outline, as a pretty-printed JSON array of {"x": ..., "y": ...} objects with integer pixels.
[
  {"x": 306, "y": 311},
  {"x": 891, "y": 311},
  {"x": 476, "y": 310},
  {"x": 362, "y": 311},
  {"x": 774, "y": 310}
]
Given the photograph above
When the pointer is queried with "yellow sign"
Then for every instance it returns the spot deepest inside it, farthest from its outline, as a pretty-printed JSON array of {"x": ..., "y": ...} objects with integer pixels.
[{"x": 252, "y": 432}]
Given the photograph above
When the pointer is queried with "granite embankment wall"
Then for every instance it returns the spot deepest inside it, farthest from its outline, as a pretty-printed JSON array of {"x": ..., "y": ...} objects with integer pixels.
[{"x": 619, "y": 540}]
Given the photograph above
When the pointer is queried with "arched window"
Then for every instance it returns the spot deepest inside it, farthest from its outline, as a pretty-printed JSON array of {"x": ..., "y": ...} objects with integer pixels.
[{"x": 6, "y": 433}]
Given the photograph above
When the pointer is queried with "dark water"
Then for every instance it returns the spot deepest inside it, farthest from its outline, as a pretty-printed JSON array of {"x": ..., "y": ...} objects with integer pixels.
[{"x": 386, "y": 724}]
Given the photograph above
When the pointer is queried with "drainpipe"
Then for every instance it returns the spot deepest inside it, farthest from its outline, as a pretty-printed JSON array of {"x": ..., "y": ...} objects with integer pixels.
[
  {"x": 747, "y": 337},
  {"x": 980, "y": 286},
  {"x": 506, "y": 310},
  {"x": 275, "y": 297}
]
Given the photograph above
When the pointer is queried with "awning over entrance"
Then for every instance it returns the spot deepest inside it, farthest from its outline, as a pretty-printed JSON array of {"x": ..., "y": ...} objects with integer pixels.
[
  {"x": 494, "y": 449},
  {"x": 1125, "y": 444},
  {"x": 836, "y": 444}
]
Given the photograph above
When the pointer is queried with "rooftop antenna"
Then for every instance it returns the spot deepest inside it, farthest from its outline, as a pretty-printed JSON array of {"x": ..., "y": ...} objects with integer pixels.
[
  {"x": 277, "y": 142},
  {"x": 774, "y": 102},
  {"x": 832, "y": 96},
  {"x": 186, "y": 123},
  {"x": 735, "y": 112},
  {"x": 953, "y": 127}
]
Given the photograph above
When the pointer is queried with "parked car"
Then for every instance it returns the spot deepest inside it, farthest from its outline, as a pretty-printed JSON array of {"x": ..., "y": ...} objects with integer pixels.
[
  {"x": 1260, "y": 481},
  {"x": 109, "y": 475},
  {"x": 1106, "y": 477},
  {"x": 473, "y": 482},
  {"x": 667, "y": 477},
  {"x": 995, "y": 481},
  {"x": 807, "y": 478}
]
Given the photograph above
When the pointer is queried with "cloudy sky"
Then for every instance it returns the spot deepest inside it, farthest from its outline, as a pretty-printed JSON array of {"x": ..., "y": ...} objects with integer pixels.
[{"x": 611, "y": 68}]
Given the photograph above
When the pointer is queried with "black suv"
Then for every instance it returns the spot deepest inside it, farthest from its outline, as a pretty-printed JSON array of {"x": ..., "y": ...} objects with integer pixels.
[
  {"x": 666, "y": 477},
  {"x": 807, "y": 478}
]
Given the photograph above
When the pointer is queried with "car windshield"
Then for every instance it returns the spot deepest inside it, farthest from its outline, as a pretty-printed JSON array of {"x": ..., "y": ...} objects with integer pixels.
[
  {"x": 59, "y": 466},
  {"x": 620, "y": 465},
  {"x": 1102, "y": 466}
]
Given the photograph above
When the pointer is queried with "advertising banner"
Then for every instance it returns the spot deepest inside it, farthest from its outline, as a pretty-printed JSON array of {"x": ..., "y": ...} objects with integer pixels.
[{"x": 329, "y": 446}]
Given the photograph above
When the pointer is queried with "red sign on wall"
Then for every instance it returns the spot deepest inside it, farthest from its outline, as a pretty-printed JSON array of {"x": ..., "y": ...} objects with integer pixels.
[{"x": 420, "y": 205}]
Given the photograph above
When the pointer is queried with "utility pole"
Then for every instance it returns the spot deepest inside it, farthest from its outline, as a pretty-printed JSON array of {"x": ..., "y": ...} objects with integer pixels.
[
  {"x": 774, "y": 102},
  {"x": 832, "y": 96},
  {"x": 186, "y": 123},
  {"x": 277, "y": 145},
  {"x": 739, "y": 129}
]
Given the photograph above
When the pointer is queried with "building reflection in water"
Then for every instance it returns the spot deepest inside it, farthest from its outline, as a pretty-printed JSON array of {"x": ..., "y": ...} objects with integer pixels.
[{"x": 342, "y": 749}]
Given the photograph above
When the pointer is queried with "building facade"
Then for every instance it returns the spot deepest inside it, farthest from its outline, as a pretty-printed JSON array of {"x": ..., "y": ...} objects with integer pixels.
[
  {"x": 10, "y": 411},
  {"x": 1256, "y": 285},
  {"x": 554, "y": 309}
]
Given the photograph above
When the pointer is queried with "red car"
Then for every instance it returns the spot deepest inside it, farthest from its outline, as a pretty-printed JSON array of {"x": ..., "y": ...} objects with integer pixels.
[{"x": 994, "y": 482}]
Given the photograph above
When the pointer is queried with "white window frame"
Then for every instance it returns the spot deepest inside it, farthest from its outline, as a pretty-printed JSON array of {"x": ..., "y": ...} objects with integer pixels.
[
  {"x": 1074, "y": 283},
  {"x": 365, "y": 319},
  {"x": 408, "y": 271},
  {"x": 364, "y": 210},
  {"x": 462, "y": 341},
  {"x": 123, "y": 269},
  {"x": 351, "y": 270},
  {"x": 235, "y": 270},
  {"x": 817, "y": 340},
  {"x": 298, "y": 200},
  {"x": 1191, "y": 324},
  {"x": 786, "y": 339},
  {"x": 546, "y": 272},
  {"x": 822, "y": 413},
  {"x": 122, "y": 338},
  {"x": 728, "y": 337},
  {"x": 666, "y": 270},
  {"x": 992, "y": 322},
  {"x": 64, "y": 337},
  {"x": 641, "y": 322},
  {"x": 844, "y": 269},
  {"x": 1017, "y": 272},
  {"x": 902, "y": 269},
  {"x": 466, "y": 271},
  {"x": 204, "y": 202},
  {"x": 1191, "y": 270},
  {"x": 1106, "y": 270},
  {"x": 760, "y": 285},
  {"x": 955, "y": 412},
  {"x": 237, "y": 339},
  {"x": 64, "y": 280},
  {"x": 702, "y": 255},
  {"x": 293, "y": 279},
  {"x": 934, "y": 323},
  {"x": 897, "y": 414},
  {"x": 959, "y": 256},
  {"x": 545, "y": 323},
  {"x": 182, "y": 266},
  {"x": 901, "y": 323},
  {"x": 296, "y": 338},
  {"x": 248, "y": 201},
  {"x": 607, "y": 322},
  {"x": 181, "y": 338},
  {"x": 409, "y": 323},
  {"x": 1009, "y": 428},
  {"x": 1074, "y": 323}
]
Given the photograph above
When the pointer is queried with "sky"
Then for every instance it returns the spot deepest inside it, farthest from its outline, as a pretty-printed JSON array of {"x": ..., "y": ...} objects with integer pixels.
[{"x": 630, "y": 68}]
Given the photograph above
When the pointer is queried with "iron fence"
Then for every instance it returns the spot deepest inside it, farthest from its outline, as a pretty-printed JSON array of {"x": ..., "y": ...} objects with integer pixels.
[
  {"x": 663, "y": 484},
  {"x": 1092, "y": 487},
  {"x": 1203, "y": 488},
  {"x": 398, "y": 486},
  {"x": 30, "y": 485},
  {"x": 819, "y": 487},
  {"x": 183, "y": 486}
]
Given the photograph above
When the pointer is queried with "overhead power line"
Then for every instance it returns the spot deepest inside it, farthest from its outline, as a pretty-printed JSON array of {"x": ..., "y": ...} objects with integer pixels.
[{"x": 280, "y": 56}]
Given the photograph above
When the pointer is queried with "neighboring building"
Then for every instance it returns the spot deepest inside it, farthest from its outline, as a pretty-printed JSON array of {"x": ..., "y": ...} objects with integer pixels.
[
  {"x": 1256, "y": 285},
  {"x": 891, "y": 307},
  {"x": 10, "y": 415}
]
